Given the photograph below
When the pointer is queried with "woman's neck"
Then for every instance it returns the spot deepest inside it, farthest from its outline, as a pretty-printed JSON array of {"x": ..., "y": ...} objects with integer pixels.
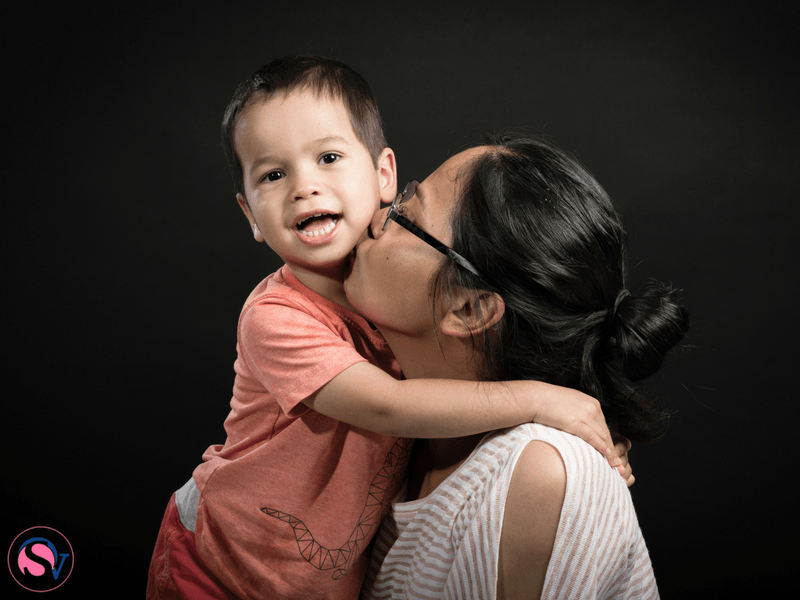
[
  {"x": 432, "y": 356},
  {"x": 435, "y": 356},
  {"x": 433, "y": 461}
]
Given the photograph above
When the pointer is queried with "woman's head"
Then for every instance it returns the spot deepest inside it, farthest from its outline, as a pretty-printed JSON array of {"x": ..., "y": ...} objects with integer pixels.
[
  {"x": 391, "y": 274},
  {"x": 550, "y": 251}
]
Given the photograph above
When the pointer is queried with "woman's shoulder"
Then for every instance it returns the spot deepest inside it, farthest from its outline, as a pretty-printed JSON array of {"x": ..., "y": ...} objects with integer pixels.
[
  {"x": 556, "y": 471},
  {"x": 538, "y": 465},
  {"x": 530, "y": 521},
  {"x": 539, "y": 479},
  {"x": 575, "y": 453},
  {"x": 543, "y": 453}
]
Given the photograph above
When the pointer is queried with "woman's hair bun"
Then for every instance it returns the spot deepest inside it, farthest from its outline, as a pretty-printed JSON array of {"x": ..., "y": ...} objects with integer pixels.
[{"x": 647, "y": 325}]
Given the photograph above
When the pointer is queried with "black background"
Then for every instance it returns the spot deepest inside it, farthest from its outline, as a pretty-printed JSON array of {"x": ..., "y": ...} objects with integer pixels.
[{"x": 127, "y": 258}]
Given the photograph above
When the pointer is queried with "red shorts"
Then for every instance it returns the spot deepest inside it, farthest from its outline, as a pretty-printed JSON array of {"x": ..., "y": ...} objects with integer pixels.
[{"x": 176, "y": 570}]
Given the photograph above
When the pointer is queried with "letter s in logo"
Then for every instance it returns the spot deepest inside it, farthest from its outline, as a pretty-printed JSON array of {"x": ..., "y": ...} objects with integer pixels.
[{"x": 36, "y": 558}]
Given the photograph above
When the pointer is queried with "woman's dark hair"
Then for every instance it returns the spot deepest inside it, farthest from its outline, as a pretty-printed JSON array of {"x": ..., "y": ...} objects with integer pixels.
[
  {"x": 545, "y": 236},
  {"x": 322, "y": 76}
]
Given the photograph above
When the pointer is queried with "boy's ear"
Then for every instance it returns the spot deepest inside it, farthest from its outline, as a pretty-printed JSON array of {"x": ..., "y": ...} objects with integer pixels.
[
  {"x": 472, "y": 312},
  {"x": 259, "y": 237},
  {"x": 387, "y": 175}
]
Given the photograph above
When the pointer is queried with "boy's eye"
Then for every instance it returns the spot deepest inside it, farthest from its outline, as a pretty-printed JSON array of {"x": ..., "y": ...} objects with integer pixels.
[
  {"x": 272, "y": 176},
  {"x": 329, "y": 158}
]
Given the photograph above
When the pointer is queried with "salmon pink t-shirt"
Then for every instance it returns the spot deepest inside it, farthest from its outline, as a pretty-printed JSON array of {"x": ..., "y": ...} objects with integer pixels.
[{"x": 290, "y": 502}]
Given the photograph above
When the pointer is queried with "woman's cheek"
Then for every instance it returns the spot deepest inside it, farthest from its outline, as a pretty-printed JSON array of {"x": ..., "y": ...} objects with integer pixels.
[
  {"x": 408, "y": 307},
  {"x": 365, "y": 286},
  {"x": 390, "y": 282}
]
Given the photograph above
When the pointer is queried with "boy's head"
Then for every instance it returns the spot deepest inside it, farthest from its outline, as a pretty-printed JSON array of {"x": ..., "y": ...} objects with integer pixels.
[
  {"x": 308, "y": 180},
  {"x": 324, "y": 77}
]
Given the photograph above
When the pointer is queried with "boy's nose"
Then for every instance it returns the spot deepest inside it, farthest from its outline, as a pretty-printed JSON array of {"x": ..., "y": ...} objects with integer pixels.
[
  {"x": 305, "y": 191},
  {"x": 305, "y": 187}
]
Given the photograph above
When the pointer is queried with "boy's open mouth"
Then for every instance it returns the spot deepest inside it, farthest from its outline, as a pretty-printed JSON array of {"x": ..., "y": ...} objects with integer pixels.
[{"x": 317, "y": 225}]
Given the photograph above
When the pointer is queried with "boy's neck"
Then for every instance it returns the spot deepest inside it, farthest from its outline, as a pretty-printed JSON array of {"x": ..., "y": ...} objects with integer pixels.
[{"x": 328, "y": 283}]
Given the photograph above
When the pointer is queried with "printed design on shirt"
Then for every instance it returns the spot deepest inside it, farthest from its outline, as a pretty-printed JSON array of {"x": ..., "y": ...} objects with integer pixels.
[{"x": 383, "y": 488}]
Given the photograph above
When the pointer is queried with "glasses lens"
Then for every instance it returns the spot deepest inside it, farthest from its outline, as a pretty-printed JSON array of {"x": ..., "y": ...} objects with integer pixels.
[
  {"x": 401, "y": 198},
  {"x": 408, "y": 193}
]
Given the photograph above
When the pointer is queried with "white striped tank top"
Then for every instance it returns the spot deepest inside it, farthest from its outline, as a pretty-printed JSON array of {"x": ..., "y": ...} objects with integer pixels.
[{"x": 446, "y": 545}]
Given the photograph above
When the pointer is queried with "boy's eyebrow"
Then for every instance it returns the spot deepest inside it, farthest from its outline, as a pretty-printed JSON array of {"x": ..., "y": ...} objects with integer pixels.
[
  {"x": 257, "y": 163},
  {"x": 330, "y": 138}
]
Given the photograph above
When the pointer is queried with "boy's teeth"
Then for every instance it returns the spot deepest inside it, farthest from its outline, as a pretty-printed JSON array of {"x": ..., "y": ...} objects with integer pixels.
[{"x": 317, "y": 232}]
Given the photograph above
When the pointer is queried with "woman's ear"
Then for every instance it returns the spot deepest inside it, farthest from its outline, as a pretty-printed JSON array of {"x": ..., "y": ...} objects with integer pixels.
[
  {"x": 473, "y": 311},
  {"x": 387, "y": 175}
]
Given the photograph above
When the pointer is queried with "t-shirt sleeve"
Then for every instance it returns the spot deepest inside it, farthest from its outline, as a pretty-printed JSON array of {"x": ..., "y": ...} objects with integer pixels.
[{"x": 293, "y": 350}]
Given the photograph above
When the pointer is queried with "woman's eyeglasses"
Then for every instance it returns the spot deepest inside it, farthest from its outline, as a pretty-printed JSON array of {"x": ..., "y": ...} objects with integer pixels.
[{"x": 396, "y": 211}]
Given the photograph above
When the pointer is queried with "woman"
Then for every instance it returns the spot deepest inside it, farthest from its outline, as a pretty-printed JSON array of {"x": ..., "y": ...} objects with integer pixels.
[{"x": 508, "y": 263}]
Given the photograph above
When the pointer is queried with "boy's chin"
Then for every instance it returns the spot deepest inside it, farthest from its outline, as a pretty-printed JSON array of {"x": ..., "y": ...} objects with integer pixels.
[{"x": 334, "y": 269}]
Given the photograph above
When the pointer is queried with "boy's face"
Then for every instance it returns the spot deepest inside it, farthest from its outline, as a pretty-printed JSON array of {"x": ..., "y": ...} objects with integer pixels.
[{"x": 311, "y": 186}]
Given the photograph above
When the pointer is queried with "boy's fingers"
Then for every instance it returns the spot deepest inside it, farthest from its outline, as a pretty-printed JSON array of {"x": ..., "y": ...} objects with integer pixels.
[
  {"x": 621, "y": 447},
  {"x": 627, "y": 474},
  {"x": 601, "y": 436},
  {"x": 613, "y": 457},
  {"x": 600, "y": 441},
  {"x": 610, "y": 450},
  {"x": 623, "y": 444}
]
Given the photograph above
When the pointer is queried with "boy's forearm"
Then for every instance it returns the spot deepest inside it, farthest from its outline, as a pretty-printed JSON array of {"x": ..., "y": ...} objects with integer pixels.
[
  {"x": 367, "y": 397},
  {"x": 427, "y": 408},
  {"x": 442, "y": 408}
]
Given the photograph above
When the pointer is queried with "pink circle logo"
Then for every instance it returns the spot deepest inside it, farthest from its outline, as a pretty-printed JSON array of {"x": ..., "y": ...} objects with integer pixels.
[{"x": 40, "y": 559}]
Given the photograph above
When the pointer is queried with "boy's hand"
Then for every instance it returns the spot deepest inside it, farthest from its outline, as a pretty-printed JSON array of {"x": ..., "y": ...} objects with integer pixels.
[
  {"x": 621, "y": 447},
  {"x": 579, "y": 414}
]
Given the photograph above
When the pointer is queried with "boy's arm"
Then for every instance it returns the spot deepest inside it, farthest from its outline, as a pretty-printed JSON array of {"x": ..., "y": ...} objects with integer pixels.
[
  {"x": 365, "y": 396},
  {"x": 622, "y": 445}
]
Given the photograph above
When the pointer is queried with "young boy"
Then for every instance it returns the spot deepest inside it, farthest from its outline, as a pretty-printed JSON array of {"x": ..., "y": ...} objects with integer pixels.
[{"x": 314, "y": 456}]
